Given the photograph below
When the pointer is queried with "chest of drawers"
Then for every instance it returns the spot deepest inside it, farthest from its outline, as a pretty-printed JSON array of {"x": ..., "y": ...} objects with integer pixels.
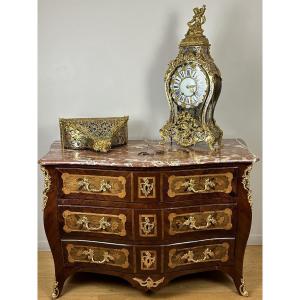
[{"x": 148, "y": 213}]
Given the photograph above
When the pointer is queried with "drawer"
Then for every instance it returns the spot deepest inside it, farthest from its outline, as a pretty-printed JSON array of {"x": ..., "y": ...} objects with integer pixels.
[
  {"x": 95, "y": 184},
  {"x": 190, "y": 222},
  {"x": 98, "y": 255},
  {"x": 199, "y": 254},
  {"x": 104, "y": 223},
  {"x": 204, "y": 184},
  {"x": 148, "y": 259}
]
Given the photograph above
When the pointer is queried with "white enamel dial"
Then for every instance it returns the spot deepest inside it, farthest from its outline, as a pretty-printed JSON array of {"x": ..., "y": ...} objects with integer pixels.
[{"x": 189, "y": 85}]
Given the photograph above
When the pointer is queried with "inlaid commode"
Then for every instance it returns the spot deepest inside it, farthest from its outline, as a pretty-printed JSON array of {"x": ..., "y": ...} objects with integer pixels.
[{"x": 148, "y": 214}]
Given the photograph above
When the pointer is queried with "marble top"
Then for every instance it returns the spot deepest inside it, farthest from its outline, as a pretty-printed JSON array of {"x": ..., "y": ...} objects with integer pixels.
[{"x": 151, "y": 154}]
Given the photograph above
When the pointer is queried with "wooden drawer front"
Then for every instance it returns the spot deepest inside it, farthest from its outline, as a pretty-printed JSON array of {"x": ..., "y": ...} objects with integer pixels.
[
  {"x": 93, "y": 184},
  {"x": 108, "y": 256},
  {"x": 200, "y": 184},
  {"x": 99, "y": 223},
  {"x": 199, "y": 221},
  {"x": 195, "y": 256},
  {"x": 91, "y": 222}
]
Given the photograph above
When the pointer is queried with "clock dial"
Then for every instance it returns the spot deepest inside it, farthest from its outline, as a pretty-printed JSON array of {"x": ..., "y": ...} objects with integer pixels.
[{"x": 189, "y": 85}]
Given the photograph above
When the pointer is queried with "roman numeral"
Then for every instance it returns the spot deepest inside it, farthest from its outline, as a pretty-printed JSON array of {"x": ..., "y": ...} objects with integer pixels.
[
  {"x": 177, "y": 79},
  {"x": 182, "y": 74}
]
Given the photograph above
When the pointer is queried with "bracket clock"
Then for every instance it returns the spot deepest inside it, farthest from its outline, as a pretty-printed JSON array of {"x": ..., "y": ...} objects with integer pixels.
[{"x": 193, "y": 84}]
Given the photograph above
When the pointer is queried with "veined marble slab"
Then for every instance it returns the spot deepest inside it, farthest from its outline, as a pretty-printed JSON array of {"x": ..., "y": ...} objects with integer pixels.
[{"x": 146, "y": 153}]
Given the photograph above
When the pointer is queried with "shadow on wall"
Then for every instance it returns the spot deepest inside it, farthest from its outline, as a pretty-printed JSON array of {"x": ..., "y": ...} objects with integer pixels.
[{"x": 157, "y": 105}]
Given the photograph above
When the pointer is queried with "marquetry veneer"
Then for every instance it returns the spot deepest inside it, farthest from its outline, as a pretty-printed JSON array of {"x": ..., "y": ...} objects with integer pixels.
[{"x": 148, "y": 213}]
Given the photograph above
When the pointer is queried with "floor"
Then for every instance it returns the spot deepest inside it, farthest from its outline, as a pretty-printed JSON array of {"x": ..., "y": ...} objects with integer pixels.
[{"x": 208, "y": 286}]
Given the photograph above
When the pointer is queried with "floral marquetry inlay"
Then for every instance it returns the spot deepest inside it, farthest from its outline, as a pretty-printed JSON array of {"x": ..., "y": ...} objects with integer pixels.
[
  {"x": 93, "y": 184},
  {"x": 98, "y": 255},
  {"x": 147, "y": 225},
  {"x": 197, "y": 184},
  {"x": 146, "y": 186},
  {"x": 200, "y": 254},
  {"x": 148, "y": 260},
  {"x": 198, "y": 221},
  {"x": 92, "y": 222}
]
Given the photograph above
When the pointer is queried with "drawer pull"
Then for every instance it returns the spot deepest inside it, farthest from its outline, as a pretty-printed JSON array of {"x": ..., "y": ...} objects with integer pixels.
[
  {"x": 103, "y": 224},
  {"x": 90, "y": 256},
  {"x": 191, "y": 222},
  {"x": 189, "y": 256},
  {"x": 190, "y": 185},
  {"x": 84, "y": 184}
]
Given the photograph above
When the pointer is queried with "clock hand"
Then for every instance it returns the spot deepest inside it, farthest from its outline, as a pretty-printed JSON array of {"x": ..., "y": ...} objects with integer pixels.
[{"x": 190, "y": 86}]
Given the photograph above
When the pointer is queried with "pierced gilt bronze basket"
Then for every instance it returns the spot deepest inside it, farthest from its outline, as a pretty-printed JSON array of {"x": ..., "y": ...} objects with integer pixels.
[{"x": 98, "y": 134}]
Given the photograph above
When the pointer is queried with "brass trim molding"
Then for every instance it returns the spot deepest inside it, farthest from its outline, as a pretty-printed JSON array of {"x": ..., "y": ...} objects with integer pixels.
[
  {"x": 246, "y": 184},
  {"x": 98, "y": 255},
  {"x": 149, "y": 282},
  {"x": 146, "y": 187},
  {"x": 194, "y": 184},
  {"x": 148, "y": 225},
  {"x": 242, "y": 288},
  {"x": 94, "y": 184},
  {"x": 47, "y": 185},
  {"x": 197, "y": 221},
  {"x": 55, "y": 291},
  {"x": 148, "y": 260},
  {"x": 199, "y": 254},
  {"x": 92, "y": 222}
]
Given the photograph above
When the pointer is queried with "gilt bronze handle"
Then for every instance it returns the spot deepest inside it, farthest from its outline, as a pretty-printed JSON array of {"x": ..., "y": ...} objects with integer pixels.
[
  {"x": 85, "y": 185},
  {"x": 103, "y": 224},
  {"x": 189, "y": 256},
  {"x": 190, "y": 185},
  {"x": 90, "y": 256},
  {"x": 191, "y": 222}
]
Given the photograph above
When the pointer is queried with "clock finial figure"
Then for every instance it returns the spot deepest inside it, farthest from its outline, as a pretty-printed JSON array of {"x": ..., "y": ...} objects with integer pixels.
[
  {"x": 198, "y": 18},
  {"x": 194, "y": 35}
]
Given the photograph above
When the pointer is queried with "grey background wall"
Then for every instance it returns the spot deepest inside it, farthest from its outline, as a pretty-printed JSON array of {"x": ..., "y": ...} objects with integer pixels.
[{"x": 108, "y": 58}]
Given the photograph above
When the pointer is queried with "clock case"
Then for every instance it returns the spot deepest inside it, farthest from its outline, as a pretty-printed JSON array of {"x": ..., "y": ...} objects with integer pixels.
[{"x": 188, "y": 126}]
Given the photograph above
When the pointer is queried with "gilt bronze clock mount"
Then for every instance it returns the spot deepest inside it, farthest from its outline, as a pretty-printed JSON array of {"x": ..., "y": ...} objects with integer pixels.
[{"x": 193, "y": 85}]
